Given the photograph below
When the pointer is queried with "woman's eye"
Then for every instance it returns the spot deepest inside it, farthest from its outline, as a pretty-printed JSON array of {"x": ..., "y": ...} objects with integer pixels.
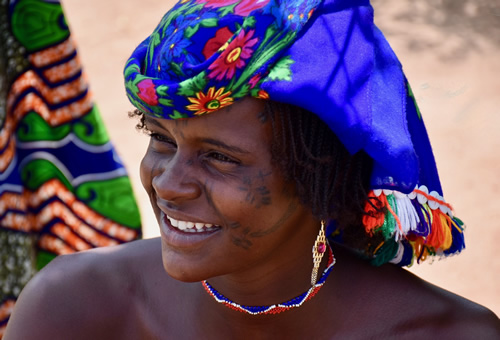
[
  {"x": 222, "y": 158},
  {"x": 161, "y": 138}
]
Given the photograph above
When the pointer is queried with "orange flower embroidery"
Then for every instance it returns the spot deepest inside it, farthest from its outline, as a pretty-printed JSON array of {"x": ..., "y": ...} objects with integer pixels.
[
  {"x": 210, "y": 102},
  {"x": 262, "y": 94}
]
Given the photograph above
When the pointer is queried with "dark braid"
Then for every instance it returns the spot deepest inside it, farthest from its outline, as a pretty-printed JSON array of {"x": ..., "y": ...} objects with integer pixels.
[{"x": 329, "y": 180}]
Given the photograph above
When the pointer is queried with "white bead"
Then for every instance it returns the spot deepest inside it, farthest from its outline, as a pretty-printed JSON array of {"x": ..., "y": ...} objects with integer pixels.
[
  {"x": 421, "y": 198},
  {"x": 435, "y": 204}
]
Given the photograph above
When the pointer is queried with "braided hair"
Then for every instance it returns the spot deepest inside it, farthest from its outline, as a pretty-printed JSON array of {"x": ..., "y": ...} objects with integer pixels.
[{"x": 329, "y": 180}]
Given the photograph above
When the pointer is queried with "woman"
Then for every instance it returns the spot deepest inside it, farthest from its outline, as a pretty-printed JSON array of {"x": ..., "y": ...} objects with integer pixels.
[{"x": 272, "y": 124}]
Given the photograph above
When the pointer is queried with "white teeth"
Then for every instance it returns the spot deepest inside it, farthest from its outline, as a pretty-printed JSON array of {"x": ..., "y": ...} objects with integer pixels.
[
  {"x": 190, "y": 227},
  {"x": 175, "y": 223},
  {"x": 182, "y": 225}
]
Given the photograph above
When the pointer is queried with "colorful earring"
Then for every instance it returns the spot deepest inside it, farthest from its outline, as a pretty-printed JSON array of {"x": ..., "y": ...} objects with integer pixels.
[{"x": 318, "y": 251}]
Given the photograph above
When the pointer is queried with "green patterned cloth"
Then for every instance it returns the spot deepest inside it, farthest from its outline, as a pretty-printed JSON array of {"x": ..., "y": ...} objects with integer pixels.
[{"x": 63, "y": 188}]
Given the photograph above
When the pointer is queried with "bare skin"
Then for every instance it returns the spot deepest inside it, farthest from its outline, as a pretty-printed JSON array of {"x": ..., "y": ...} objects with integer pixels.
[
  {"x": 217, "y": 169},
  {"x": 124, "y": 293}
]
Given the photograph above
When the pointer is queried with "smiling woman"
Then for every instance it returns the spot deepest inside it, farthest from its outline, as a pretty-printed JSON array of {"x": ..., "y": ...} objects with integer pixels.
[{"x": 291, "y": 177}]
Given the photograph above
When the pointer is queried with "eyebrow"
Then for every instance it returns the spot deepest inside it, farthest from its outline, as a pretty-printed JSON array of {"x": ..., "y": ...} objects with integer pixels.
[
  {"x": 225, "y": 146},
  {"x": 211, "y": 141},
  {"x": 148, "y": 120}
]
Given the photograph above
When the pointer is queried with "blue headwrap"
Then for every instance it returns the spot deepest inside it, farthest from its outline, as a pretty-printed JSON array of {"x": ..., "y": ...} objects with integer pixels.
[{"x": 327, "y": 57}]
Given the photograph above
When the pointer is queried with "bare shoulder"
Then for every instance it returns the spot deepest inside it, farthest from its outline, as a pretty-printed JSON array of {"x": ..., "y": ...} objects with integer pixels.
[
  {"x": 402, "y": 305},
  {"x": 84, "y": 292},
  {"x": 429, "y": 310},
  {"x": 444, "y": 314}
]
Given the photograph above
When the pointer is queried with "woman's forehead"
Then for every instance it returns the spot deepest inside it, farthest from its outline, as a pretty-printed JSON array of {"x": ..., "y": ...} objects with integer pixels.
[{"x": 240, "y": 121}]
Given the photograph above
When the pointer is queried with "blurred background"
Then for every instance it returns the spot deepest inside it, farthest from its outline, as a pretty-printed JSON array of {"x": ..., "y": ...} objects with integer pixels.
[{"x": 450, "y": 50}]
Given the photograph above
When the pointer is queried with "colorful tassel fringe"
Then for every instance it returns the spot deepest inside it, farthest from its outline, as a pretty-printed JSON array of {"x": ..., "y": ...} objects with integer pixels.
[{"x": 413, "y": 226}]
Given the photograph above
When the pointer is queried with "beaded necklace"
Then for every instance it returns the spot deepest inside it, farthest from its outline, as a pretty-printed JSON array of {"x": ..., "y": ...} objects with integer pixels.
[{"x": 278, "y": 308}]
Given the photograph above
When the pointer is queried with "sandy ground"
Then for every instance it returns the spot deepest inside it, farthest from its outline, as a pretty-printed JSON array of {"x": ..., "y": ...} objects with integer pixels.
[{"x": 450, "y": 51}]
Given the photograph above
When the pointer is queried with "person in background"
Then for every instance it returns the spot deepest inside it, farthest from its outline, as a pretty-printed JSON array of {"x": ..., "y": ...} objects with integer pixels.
[
  {"x": 291, "y": 176},
  {"x": 62, "y": 186}
]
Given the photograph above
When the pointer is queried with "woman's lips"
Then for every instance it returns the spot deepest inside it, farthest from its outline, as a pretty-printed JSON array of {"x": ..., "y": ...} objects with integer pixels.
[{"x": 185, "y": 234}]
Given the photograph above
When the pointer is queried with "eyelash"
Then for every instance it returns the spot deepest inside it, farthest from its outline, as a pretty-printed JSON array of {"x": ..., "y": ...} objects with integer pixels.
[
  {"x": 217, "y": 156},
  {"x": 221, "y": 157},
  {"x": 161, "y": 138}
]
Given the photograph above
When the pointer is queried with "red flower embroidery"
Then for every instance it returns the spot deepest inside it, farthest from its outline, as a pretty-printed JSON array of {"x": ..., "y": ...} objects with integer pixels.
[
  {"x": 244, "y": 8},
  {"x": 214, "y": 44},
  {"x": 233, "y": 57},
  {"x": 147, "y": 92}
]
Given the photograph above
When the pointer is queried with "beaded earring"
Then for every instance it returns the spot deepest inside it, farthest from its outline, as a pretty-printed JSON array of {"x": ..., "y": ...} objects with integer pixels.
[{"x": 318, "y": 251}]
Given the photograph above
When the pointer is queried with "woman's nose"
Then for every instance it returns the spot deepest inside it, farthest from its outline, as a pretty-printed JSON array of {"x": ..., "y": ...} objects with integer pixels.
[{"x": 175, "y": 181}]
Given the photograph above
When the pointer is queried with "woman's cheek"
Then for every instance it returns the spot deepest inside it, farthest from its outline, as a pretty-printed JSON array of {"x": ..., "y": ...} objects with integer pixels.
[{"x": 146, "y": 169}]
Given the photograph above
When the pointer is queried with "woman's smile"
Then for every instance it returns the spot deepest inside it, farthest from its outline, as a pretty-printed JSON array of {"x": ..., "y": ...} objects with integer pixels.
[
  {"x": 191, "y": 227},
  {"x": 180, "y": 234}
]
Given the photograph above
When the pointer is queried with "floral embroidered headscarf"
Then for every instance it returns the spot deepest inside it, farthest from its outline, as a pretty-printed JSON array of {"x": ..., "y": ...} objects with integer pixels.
[{"x": 327, "y": 57}]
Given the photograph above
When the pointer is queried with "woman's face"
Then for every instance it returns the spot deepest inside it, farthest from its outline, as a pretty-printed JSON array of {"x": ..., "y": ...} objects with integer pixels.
[{"x": 221, "y": 205}]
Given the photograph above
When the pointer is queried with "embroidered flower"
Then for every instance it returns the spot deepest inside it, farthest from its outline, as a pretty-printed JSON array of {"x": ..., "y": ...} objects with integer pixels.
[
  {"x": 263, "y": 94},
  {"x": 147, "y": 92},
  {"x": 177, "y": 44},
  {"x": 217, "y": 42},
  {"x": 233, "y": 57},
  {"x": 254, "y": 80},
  {"x": 244, "y": 8},
  {"x": 217, "y": 3},
  {"x": 210, "y": 102}
]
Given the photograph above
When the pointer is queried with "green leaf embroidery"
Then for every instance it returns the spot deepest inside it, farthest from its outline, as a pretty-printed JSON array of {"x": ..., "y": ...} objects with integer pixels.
[
  {"x": 155, "y": 41},
  {"x": 190, "y": 31},
  {"x": 165, "y": 102},
  {"x": 282, "y": 71},
  {"x": 249, "y": 22},
  {"x": 162, "y": 90},
  {"x": 190, "y": 87},
  {"x": 194, "y": 9},
  {"x": 227, "y": 9},
  {"x": 212, "y": 22},
  {"x": 129, "y": 69},
  {"x": 241, "y": 92},
  {"x": 177, "y": 115},
  {"x": 177, "y": 69}
]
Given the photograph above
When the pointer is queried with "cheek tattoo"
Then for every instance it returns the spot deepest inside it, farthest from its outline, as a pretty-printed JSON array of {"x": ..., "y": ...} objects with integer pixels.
[
  {"x": 256, "y": 194},
  {"x": 259, "y": 196},
  {"x": 243, "y": 241}
]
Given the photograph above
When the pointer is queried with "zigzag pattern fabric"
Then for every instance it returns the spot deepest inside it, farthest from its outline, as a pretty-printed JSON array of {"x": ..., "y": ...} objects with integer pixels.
[{"x": 63, "y": 188}]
